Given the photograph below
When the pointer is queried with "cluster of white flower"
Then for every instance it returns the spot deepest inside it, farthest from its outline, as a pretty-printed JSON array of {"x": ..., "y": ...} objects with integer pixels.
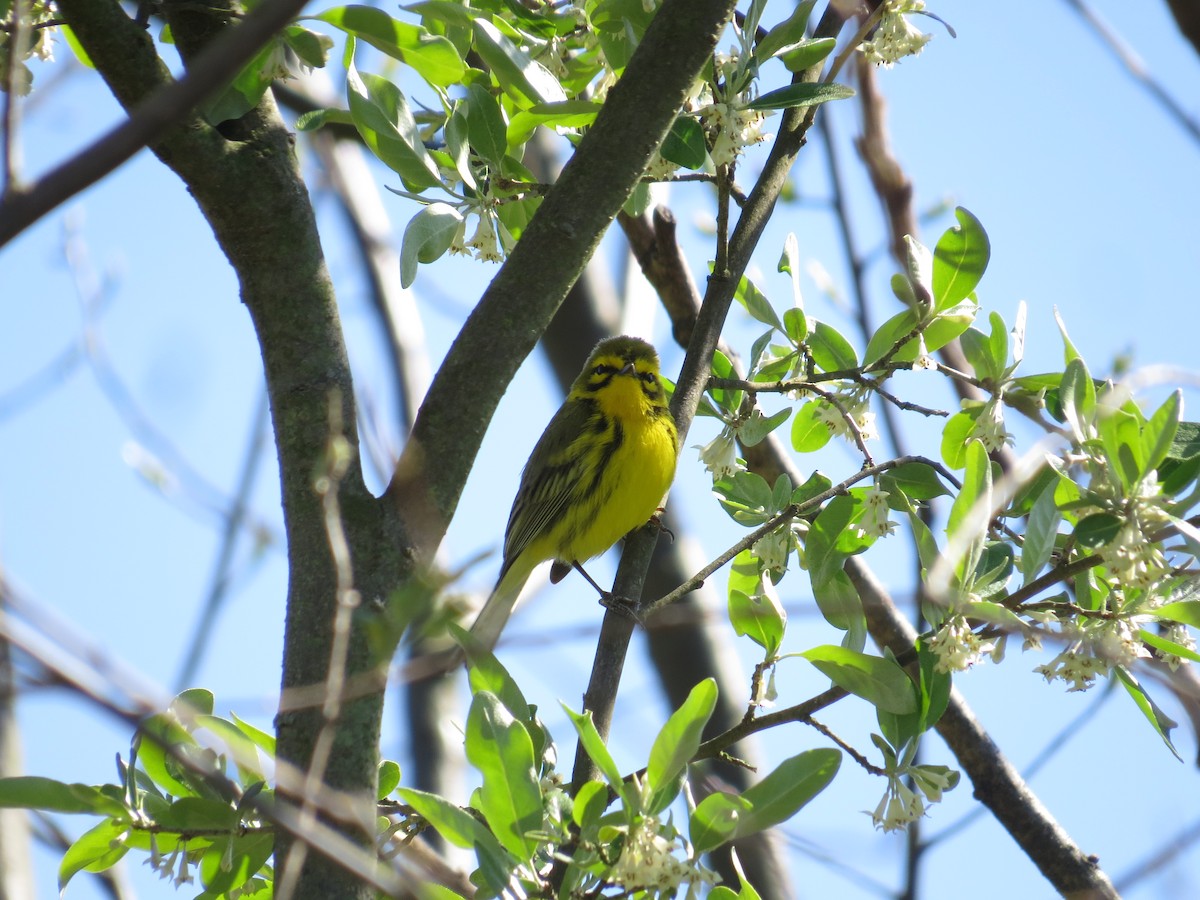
[
  {"x": 719, "y": 455},
  {"x": 491, "y": 240},
  {"x": 1100, "y": 644},
  {"x": 731, "y": 129},
  {"x": 957, "y": 647},
  {"x": 1133, "y": 556},
  {"x": 774, "y": 547},
  {"x": 874, "y": 521},
  {"x": 989, "y": 427},
  {"x": 896, "y": 38},
  {"x": 1179, "y": 634},
  {"x": 648, "y": 861},
  {"x": 901, "y": 804},
  {"x": 166, "y": 866},
  {"x": 855, "y": 405}
]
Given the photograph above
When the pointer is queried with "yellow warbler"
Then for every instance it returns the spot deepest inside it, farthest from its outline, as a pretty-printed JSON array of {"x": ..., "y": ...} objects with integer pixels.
[{"x": 598, "y": 471}]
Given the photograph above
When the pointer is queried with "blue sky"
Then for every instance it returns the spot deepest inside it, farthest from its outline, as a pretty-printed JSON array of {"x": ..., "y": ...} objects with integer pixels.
[{"x": 1089, "y": 195}]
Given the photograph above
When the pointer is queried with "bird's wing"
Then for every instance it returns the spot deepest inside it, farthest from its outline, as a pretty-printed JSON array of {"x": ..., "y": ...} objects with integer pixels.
[{"x": 551, "y": 477}]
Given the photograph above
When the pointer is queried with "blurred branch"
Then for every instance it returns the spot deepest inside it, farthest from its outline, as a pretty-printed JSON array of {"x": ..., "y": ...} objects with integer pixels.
[
  {"x": 1134, "y": 64},
  {"x": 1156, "y": 862},
  {"x": 163, "y": 109},
  {"x": 16, "y": 867},
  {"x": 164, "y": 464},
  {"x": 234, "y": 521},
  {"x": 88, "y": 671}
]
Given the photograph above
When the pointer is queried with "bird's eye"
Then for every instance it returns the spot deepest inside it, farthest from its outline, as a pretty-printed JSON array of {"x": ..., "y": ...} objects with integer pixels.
[
  {"x": 647, "y": 377},
  {"x": 603, "y": 369}
]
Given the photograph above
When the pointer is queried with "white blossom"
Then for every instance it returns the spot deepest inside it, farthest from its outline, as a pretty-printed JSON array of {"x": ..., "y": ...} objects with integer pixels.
[
  {"x": 957, "y": 647},
  {"x": 874, "y": 522},
  {"x": 896, "y": 37},
  {"x": 989, "y": 426},
  {"x": 719, "y": 455},
  {"x": 1176, "y": 633},
  {"x": 773, "y": 549}
]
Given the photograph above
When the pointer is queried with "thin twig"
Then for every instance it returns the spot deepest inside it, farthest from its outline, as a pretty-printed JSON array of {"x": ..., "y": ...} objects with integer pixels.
[
  {"x": 854, "y": 754},
  {"x": 1136, "y": 68}
]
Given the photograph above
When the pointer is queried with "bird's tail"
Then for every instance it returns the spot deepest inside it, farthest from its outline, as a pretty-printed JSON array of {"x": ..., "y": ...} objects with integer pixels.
[{"x": 499, "y": 606}]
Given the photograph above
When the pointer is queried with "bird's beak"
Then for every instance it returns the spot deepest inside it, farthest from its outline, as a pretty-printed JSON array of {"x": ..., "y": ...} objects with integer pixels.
[{"x": 628, "y": 370}]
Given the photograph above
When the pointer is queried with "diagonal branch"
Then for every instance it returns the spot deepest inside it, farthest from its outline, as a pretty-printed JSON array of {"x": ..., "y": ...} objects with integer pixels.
[{"x": 166, "y": 107}]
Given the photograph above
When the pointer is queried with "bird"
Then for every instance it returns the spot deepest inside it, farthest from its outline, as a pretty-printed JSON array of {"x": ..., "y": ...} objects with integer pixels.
[{"x": 600, "y": 469}]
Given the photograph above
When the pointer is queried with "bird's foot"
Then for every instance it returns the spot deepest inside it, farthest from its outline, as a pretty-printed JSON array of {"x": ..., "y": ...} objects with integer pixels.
[
  {"x": 622, "y": 606},
  {"x": 657, "y": 521}
]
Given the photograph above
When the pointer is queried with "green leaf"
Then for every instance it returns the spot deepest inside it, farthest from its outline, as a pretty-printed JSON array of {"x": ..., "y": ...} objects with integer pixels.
[
  {"x": 1161, "y": 722},
  {"x": 723, "y": 368},
  {"x": 311, "y": 47},
  {"x": 243, "y": 752},
  {"x": 786, "y": 34},
  {"x": 877, "y": 680},
  {"x": 566, "y": 114},
  {"x": 462, "y": 829},
  {"x": 756, "y": 303},
  {"x": 759, "y": 617},
  {"x": 1186, "y": 444},
  {"x": 795, "y": 323},
  {"x": 956, "y": 435},
  {"x": 805, "y": 93},
  {"x": 829, "y": 349},
  {"x": 715, "y": 820},
  {"x": 458, "y": 143},
  {"x": 746, "y": 497},
  {"x": 511, "y": 797},
  {"x": 809, "y": 431},
  {"x": 432, "y": 56},
  {"x": 528, "y": 82},
  {"x": 1186, "y": 612},
  {"x": 387, "y": 126},
  {"x": 389, "y": 778},
  {"x": 427, "y": 236},
  {"x": 807, "y": 53},
  {"x": 69, "y": 36},
  {"x": 677, "y": 743},
  {"x": 976, "y": 491},
  {"x": 782, "y": 793},
  {"x": 223, "y": 868},
  {"x": 1159, "y": 432},
  {"x": 1097, "y": 529},
  {"x": 486, "y": 673},
  {"x": 35, "y": 792},
  {"x": 1158, "y": 642},
  {"x": 684, "y": 144},
  {"x": 94, "y": 851},
  {"x": 198, "y": 814},
  {"x": 1040, "y": 533},
  {"x": 918, "y": 481},
  {"x": 959, "y": 260},
  {"x": 590, "y": 802},
  {"x": 593, "y": 745},
  {"x": 889, "y": 334},
  {"x": 1077, "y": 396},
  {"x": 247, "y": 88},
  {"x": 485, "y": 126},
  {"x": 318, "y": 118},
  {"x": 758, "y": 426}
]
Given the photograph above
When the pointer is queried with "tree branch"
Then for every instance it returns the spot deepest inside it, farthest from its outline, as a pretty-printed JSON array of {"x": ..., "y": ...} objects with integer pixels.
[{"x": 160, "y": 105}]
